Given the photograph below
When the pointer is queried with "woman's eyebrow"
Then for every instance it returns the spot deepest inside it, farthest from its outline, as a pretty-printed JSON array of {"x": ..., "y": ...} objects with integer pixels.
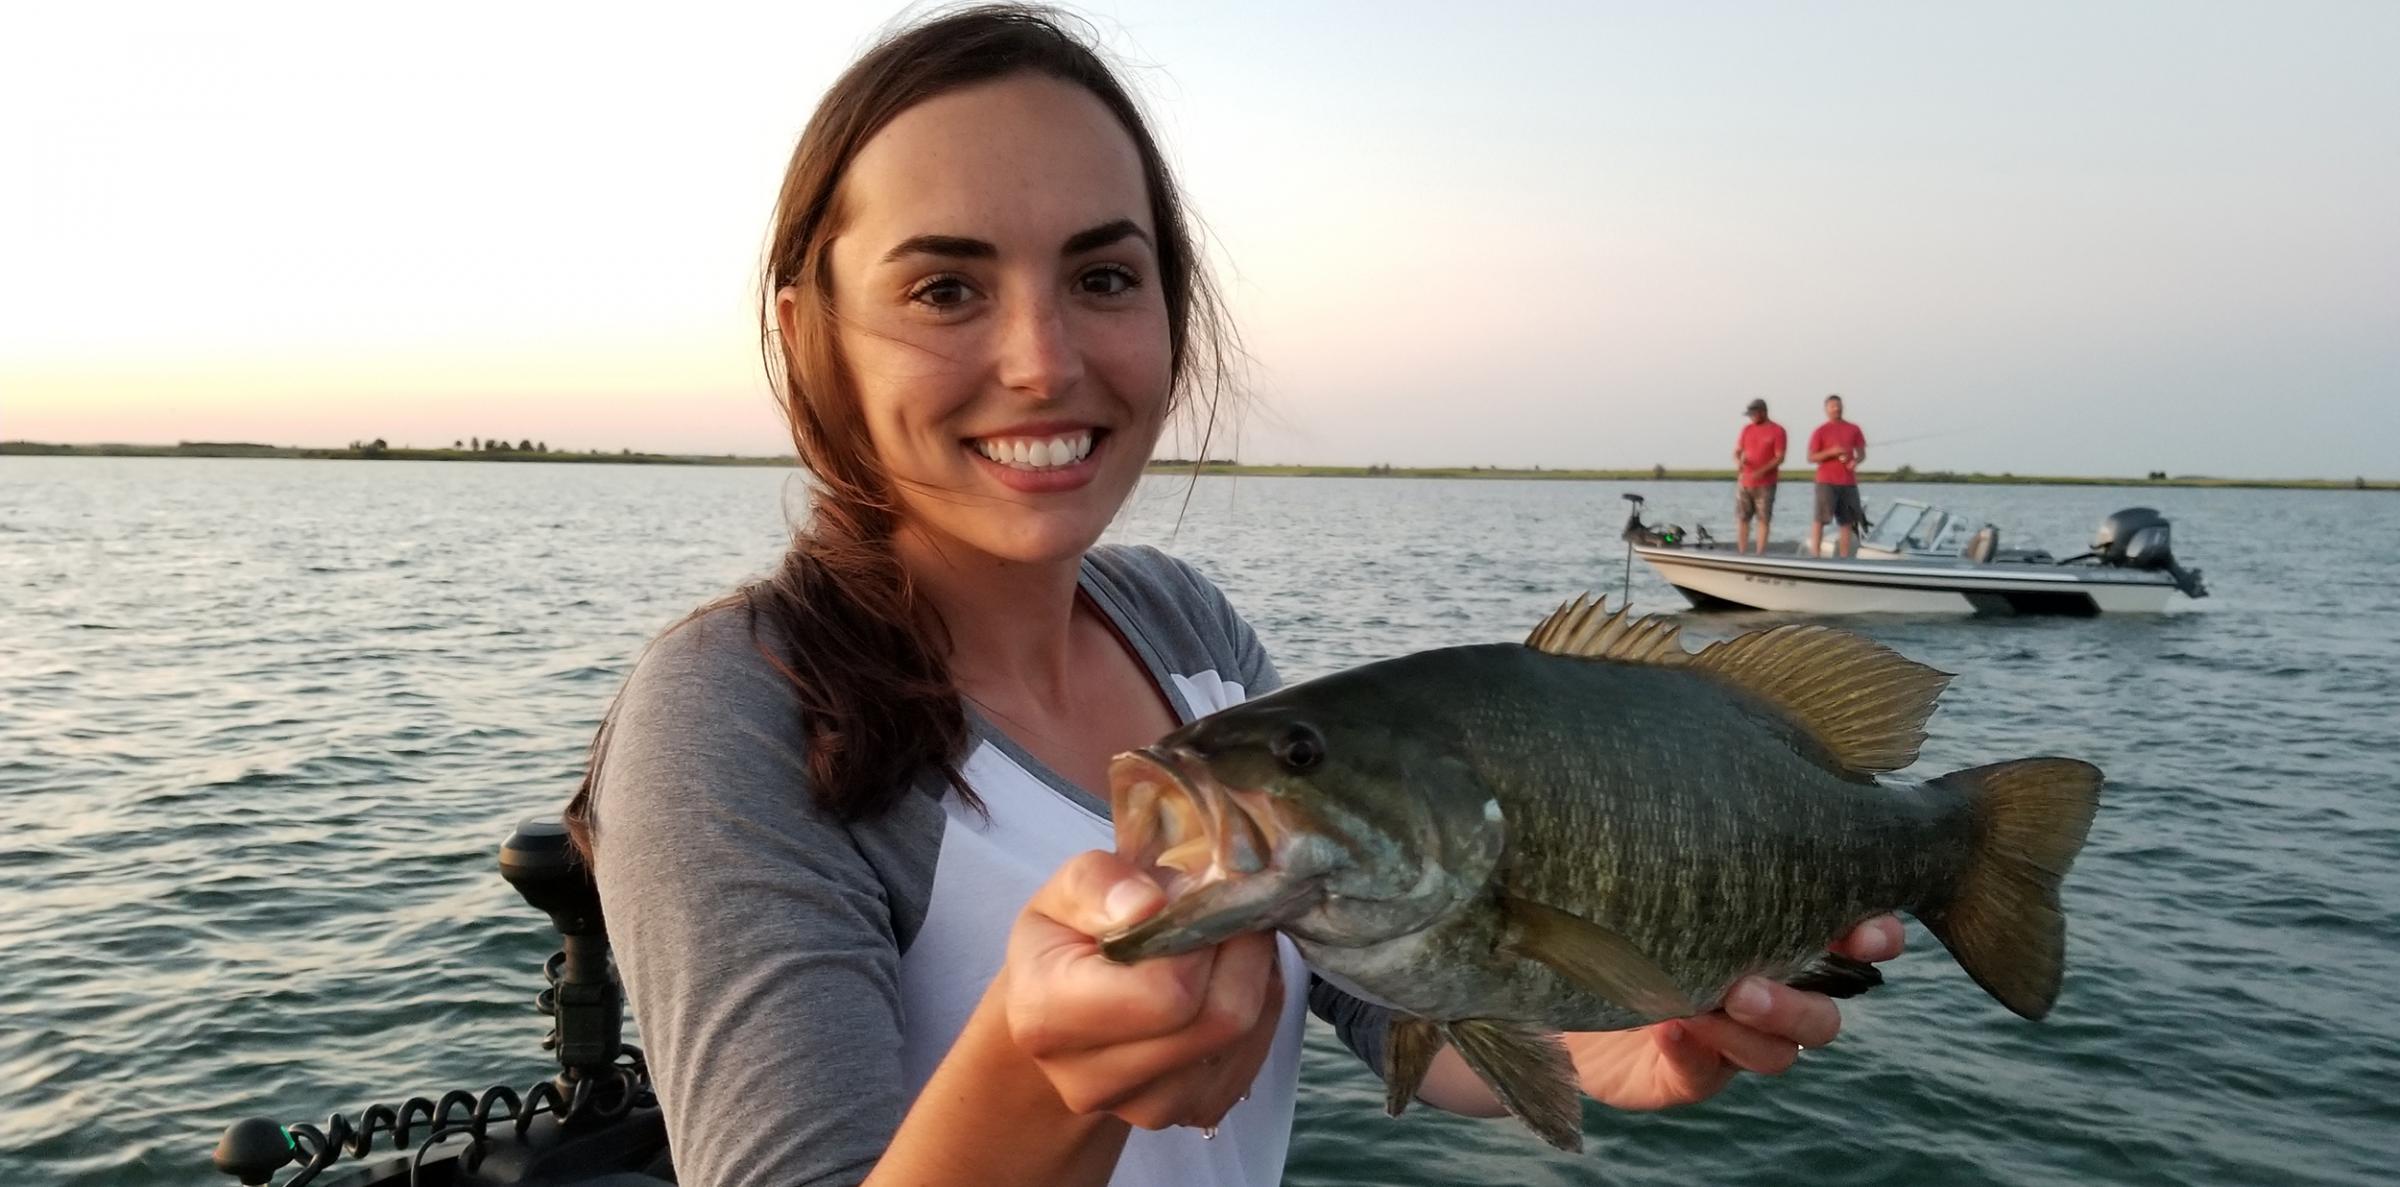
[
  {"x": 1102, "y": 236},
  {"x": 954, "y": 246},
  {"x": 960, "y": 247}
]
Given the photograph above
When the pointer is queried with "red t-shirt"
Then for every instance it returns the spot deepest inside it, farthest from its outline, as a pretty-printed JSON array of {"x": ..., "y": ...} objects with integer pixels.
[
  {"x": 1761, "y": 443},
  {"x": 1836, "y": 434}
]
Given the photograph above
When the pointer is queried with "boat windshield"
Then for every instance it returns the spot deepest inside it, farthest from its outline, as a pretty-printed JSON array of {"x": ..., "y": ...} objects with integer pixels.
[
  {"x": 1928, "y": 532},
  {"x": 1898, "y": 520}
]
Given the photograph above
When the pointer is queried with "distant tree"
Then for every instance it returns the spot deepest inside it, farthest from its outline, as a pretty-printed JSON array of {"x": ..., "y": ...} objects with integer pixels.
[
  {"x": 541, "y": 447},
  {"x": 625, "y": 453},
  {"x": 374, "y": 448},
  {"x": 475, "y": 443},
  {"x": 2359, "y": 483},
  {"x": 525, "y": 446},
  {"x": 458, "y": 445},
  {"x": 1658, "y": 473},
  {"x": 1905, "y": 474}
]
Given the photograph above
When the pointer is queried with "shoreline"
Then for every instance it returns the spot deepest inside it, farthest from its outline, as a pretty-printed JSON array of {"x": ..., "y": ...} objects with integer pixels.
[
  {"x": 1789, "y": 478},
  {"x": 373, "y": 453},
  {"x": 1176, "y": 467}
]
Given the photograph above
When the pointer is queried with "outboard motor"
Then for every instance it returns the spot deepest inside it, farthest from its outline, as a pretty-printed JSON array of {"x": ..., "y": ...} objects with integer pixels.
[{"x": 2137, "y": 538}]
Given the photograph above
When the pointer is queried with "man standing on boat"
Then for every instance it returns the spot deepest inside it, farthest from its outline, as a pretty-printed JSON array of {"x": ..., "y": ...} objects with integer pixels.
[
  {"x": 1759, "y": 455},
  {"x": 1837, "y": 447}
]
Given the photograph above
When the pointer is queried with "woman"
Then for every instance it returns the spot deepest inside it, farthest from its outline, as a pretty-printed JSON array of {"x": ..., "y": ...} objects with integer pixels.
[{"x": 844, "y": 821}]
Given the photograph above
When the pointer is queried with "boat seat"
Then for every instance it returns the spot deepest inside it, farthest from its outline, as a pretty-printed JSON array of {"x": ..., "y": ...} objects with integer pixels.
[{"x": 1983, "y": 545}]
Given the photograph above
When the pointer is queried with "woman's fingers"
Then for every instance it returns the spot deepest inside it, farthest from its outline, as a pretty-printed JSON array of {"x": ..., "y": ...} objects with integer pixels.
[
  {"x": 1694, "y": 1065},
  {"x": 1109, "y": 1062},
  {"x": 1877, "y": 939},
  {"x": 1094, "y": 894},
  {"x": 1167, "y": 1041},
  {"x": 1782, "y": 1012},
  {"x": 1763, "y": 1026},
  {"x": 1193, "y": 1076},
  {"x": 1064, "y": 996},
  {"x": 1740, "y": 1045}
]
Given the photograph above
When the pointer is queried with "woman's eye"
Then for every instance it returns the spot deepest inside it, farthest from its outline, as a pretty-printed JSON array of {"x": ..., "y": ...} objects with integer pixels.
[
  {"x": 1107, "y": 281},
  {"x": 941, "y": 292}
]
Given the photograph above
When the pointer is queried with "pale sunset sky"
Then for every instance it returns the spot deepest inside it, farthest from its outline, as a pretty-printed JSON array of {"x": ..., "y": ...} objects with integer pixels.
[{"x": 2064, "y": 238}]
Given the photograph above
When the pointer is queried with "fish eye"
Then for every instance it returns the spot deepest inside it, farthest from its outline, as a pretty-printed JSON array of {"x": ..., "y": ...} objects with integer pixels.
[{"x": 1300, "y": 748}]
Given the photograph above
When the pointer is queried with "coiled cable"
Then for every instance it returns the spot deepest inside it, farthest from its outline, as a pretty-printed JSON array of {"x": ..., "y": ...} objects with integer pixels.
[{"x": 595, "y": 1098}]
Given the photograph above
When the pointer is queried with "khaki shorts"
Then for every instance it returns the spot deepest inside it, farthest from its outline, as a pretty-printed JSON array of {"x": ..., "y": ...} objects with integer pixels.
[
  {"x": 1839, "y": 504},
  {"x": 1754, "y": 502}
]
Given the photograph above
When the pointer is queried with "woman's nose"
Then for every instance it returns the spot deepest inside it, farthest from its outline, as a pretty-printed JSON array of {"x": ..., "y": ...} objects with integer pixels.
[{"x": 1038, "y": 352}]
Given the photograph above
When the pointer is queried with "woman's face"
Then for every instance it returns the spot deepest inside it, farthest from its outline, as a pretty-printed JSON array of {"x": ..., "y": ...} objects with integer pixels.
[{"x": 996, "y": 283}]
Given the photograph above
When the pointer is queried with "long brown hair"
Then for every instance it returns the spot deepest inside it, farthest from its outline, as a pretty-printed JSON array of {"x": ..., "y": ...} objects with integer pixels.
[{"x": 866, "y": 654}]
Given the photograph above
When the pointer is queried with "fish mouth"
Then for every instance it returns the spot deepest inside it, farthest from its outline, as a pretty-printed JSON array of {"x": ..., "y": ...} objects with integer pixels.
[{"x": 1216, "y": 851}]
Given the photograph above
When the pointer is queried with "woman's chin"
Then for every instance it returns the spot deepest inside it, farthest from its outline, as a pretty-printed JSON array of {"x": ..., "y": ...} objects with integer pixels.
[
  {"x": 1053, "y": 540},
  {"x": 1018, "y": 535}
]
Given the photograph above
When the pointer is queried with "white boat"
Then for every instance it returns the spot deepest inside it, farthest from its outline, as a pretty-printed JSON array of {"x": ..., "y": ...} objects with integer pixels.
[{"x": 1919, "y": 558}]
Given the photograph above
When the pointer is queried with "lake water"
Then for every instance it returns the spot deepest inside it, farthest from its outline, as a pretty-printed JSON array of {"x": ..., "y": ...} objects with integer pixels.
[{"x": 263, "y": 725}]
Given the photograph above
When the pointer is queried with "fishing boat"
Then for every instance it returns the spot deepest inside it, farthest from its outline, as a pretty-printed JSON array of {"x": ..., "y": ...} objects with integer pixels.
[{"x": 1919, "y": 558}]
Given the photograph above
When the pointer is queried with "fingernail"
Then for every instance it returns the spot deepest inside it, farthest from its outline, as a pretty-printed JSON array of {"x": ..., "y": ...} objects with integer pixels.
[
  {"x": 1748, "y": 998},
  {"x": 1127, "y": 901},
  {"x": 1672, "y": 1032}
]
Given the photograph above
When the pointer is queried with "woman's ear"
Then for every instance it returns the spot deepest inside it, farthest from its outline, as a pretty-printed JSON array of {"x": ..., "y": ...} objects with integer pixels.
[{"x": 787, "y": 314}]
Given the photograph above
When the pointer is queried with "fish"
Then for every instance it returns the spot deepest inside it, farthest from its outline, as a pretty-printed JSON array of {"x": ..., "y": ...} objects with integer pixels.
[{"x": 1594, "y": 830}]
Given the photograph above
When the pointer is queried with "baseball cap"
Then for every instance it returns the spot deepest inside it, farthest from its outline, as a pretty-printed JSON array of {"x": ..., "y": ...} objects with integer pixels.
[{"x": 1756, "y": 406}]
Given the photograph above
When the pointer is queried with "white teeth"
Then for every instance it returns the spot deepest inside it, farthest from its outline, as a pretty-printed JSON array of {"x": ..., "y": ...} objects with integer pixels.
[{"x": 1037, "y": 453}]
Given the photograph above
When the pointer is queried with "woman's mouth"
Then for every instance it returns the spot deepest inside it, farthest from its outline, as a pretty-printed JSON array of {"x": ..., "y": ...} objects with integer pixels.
[{"x": 1041, "y": 462}]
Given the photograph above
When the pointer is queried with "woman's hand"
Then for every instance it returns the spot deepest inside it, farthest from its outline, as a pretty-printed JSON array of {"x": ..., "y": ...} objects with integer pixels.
[
  {"x": 1170, "y": 1041},
  {"x": 1762, "y": 1027}
]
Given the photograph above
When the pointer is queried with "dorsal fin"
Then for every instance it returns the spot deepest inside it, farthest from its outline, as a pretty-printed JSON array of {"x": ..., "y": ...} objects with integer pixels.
[
  {"x": 1866, "y": 703},
  {"x": 1586, "y": 629}
]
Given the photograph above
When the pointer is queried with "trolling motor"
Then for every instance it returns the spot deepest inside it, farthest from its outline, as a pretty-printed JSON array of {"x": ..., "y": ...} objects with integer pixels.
[
  {"x": 595, "y": 1121},
  {"x": 1637, "y": 532},
  {"x": 2137, "y": 538}
]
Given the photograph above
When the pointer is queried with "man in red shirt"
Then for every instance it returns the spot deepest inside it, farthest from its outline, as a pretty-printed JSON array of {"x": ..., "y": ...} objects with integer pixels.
[
  {"x": 1758, "y": 453},
  {"x": 1837, "y": 447}
]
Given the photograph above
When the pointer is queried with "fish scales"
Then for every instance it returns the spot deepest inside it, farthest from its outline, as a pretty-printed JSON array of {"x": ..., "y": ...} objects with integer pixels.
[
  {"x": 1594, "y": 830},
  {"x": 1731, "y": 859}
]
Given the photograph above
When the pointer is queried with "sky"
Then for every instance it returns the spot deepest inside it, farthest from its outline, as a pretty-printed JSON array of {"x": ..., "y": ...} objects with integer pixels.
[{"x": 2037, "y": 238}]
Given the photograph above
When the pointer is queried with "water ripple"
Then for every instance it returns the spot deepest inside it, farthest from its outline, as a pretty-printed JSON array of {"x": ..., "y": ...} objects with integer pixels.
[{"x": 260, "y": 741}]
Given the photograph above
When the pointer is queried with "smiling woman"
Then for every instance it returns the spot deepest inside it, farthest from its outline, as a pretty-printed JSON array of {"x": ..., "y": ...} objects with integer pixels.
[{"x": 844, "y": 820}]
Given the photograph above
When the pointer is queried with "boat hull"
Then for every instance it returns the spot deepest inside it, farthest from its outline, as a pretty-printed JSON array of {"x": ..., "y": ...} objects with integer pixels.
[{"x": 1724, "y": 580}]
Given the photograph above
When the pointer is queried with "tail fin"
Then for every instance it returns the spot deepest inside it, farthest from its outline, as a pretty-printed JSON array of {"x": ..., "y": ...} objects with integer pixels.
[{"x": 2002, "y": 920}]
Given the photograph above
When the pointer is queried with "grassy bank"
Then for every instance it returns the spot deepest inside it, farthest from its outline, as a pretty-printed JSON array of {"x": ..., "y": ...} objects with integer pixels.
[
  {"x": 375, "y": 452},
  {"x": 378, "y": 451},
  {"x": 1801, "y": 477}
]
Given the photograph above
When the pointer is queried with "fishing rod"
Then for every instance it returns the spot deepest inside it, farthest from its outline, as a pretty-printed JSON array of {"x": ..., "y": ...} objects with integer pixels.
[{"x": 1921, "y": 437}]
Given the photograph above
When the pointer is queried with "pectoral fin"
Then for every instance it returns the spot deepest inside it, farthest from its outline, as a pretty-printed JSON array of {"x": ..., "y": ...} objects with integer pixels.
[
  {"x": 1597, "y": 960},
  {"x": 1409, "y": 1045},
  {"x": 1529, "y": 1071}
]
